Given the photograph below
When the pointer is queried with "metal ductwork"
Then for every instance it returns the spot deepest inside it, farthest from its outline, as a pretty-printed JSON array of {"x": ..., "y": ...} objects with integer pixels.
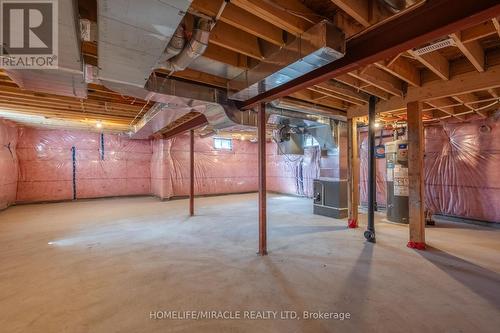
[
  {"x": 396, "y": 6},
  {"x": 176, "y": 98},
  {"x": 308, "y": 108},
  {"x": 133, "y": 36},
  {"x": 325, "y": 130},
  {"x": 175, "y": 46},
  {"x": 318, "y": 46},
  {"x": 68, "y": 78},
  {"x": 193, "y": 50}
]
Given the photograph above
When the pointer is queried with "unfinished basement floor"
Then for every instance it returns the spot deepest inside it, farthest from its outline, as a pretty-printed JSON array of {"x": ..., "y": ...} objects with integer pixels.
[{"x": 105, "y": 265}]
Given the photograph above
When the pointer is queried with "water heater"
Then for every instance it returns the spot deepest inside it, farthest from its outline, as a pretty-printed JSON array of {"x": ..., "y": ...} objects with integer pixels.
[{"x": 396, "y": 154}]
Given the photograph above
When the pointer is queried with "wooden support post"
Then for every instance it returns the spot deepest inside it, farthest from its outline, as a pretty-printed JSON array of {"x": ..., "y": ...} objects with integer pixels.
[
  {"x": 261, "y": 134},
  {"x": 416, "y": 175},
  {"x": 191, "y": 173},
  {"x": 353, "y": 173}
]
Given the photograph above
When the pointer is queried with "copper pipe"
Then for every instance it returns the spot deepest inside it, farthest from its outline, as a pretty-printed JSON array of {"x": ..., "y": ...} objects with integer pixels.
[
  {"x": 191, "y": 173},
  {"x": 261, "y": 134}
]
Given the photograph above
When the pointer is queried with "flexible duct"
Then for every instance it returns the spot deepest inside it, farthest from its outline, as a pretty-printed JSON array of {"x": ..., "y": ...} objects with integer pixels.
[
  {"x": 175, "y": 46},
  {"x": 194, "y": 48}
]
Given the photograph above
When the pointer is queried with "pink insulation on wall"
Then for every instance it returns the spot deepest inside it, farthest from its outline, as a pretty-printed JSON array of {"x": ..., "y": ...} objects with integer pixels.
[
  {"x": 462, "y": 170},
  {"x": 216, "y": 171},
  {"x": 294, "y": 174},
  {"x": 63, "y": 165},
  {"x": 8, "y": 164},
  {"x": 380, "y": 175}
]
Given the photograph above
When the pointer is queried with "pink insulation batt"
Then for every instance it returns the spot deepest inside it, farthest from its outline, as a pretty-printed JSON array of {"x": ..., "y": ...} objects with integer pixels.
[
  {"x": 462, "y": 169},
  {"x": 8, "y": 164},
  {"x": 107, "y": 165},
  {"x": 216, "y": 171}
]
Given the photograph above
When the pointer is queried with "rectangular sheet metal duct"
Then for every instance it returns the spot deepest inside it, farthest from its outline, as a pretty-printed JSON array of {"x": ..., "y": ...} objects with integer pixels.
[
  {"x": 133, "y": 35},
  {"x": 67, "y": 79},
  {"x": 318, "y": 46}
]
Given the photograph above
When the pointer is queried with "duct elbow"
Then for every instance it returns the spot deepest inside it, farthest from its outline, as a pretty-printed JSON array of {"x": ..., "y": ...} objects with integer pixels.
[
  {"x": 174, "y": 47},
  {"x": 192, "y": 50}
]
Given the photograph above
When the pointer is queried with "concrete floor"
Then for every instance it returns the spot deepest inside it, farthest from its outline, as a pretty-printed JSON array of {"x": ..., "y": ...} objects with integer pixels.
[{"x": 104, "y": 265}]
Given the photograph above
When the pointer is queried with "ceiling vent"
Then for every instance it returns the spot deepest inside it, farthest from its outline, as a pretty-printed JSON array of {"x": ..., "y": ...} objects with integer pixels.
[{"x": 441, "y": 44}]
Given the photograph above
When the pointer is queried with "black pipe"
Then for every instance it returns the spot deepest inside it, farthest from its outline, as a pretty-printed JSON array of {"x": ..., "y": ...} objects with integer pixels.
[{"x": 370, "y": 232}]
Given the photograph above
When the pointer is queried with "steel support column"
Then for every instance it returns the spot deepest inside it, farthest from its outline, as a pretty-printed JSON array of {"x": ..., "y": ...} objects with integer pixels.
[
  {"x": 191, "y": 172},
  {"x": 261, "y": 134},
  {"x": 370, "y": 232}
]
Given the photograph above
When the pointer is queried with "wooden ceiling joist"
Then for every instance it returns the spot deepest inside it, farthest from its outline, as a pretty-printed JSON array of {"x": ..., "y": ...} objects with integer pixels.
[
  {"x": 344, "y": 90},
  {"x": 479, "y": 31},
  {"x": 380, "y": 79},
  {"x": 241, "y": 19},
  {"x": 444, "y": 106},
  {"x": 229, "y": 37},
  {"x": 472, "y": 51},
  {"x": 317, "y": 98},
  {"x": 356, "y": 84},
  {"x": 496, "y": 24},
  {"x": 434, "y": 61},
  {"x": 289, "y": 15},
  {"x": 357, "y": 9},
  {"x": 226, "y": 56},
  {"x": 334, "y": 95},
  {"x": 401, "y": 68},
  {"x": 460, "y": 84},
  {"x": 470, "y": 101}
]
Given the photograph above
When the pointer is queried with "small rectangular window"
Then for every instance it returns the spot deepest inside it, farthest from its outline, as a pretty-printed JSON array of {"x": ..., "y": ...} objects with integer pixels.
[
  {"x": 223, "y": 144},
  {"x": 310, "y": 141}
]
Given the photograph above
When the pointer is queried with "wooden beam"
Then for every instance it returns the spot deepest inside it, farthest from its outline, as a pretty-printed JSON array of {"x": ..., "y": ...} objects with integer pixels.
[
  {"x": 459, "y": 84},
  {"x": 241, "y": 19},
  {"x": 496, "y": 24},
  {"x": 343, "y": 89},
  {"x": 236, "y": 40},
  {"x": 356, "y": 84},
  {"x": 334, "y": 95},
  {"x": 493, "y": 92},
  {"x": 416, "y": 175},
  {"x": 469, "y": 100},
  {"x": 316, "y": 98},
  {"x": 353, "y": 173},
  {"x": 426, "y": 22},
  {"x": 192, "y": 123},
  {"x": 435, "y": 62},
  {"x": 479, "y": 31},
  {"x": 357, "y": 9},
  {"x": 202, "y": 77},
  {"x": 472, "y": 51},
  {"x": 445, "y": 105},
  {"x": 274, "y": 13},
  {"x": 380, "y": 79},
  {"x": 401, "y": 68},
  {"x": 221, "y": 54}
]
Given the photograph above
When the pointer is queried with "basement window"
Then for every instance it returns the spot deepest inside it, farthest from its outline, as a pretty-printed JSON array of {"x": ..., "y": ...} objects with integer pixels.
[
  {"x": 310, "y": 141},
  {"x": 223, "y": 144}
]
